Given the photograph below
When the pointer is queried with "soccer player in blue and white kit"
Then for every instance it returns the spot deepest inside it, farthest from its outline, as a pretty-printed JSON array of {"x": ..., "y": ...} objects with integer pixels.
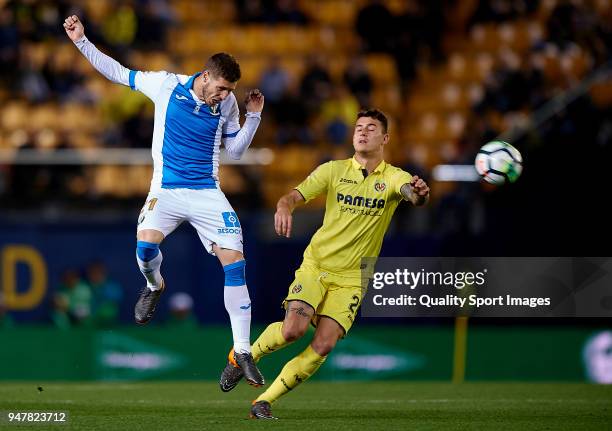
[{"x": 193, "y": 115}]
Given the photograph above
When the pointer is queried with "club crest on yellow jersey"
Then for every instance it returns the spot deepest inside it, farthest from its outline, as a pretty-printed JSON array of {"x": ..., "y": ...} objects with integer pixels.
[{"x": 380, "y": 186}]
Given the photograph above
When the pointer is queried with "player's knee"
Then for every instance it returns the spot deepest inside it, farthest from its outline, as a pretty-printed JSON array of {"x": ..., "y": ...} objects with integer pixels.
[
  {"x": 227, "y": 256},
  {"x": 324, "y": 345},
  {"x": 293, "y": 332},
  {"x": 147, "y": 251},
  {"x": 150, "y": 235},
  {"x": 235, "y": 274}
]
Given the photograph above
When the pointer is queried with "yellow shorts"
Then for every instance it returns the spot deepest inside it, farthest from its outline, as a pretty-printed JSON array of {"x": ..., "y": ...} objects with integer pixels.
[{"x": 330, "y": 295}]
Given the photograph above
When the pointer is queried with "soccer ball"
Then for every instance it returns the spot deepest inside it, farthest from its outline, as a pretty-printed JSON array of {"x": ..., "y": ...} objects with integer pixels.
[{"x": 498, "y": 162}]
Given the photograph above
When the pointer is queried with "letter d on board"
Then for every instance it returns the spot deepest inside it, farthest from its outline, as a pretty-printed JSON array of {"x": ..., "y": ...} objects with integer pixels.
[{"x": 12, "y": 255}]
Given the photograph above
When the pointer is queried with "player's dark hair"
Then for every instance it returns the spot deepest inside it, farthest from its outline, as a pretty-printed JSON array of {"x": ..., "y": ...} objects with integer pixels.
[
  {"x": 377, "y": 115},
  {"x": 223, "y": 65}
]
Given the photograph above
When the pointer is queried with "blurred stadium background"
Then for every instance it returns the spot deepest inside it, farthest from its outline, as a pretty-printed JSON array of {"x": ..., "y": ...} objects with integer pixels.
[{"x": 75, "y": 168}]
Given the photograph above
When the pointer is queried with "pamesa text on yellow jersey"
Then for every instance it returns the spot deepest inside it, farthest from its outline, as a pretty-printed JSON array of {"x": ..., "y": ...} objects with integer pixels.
[{"x": 358, "y": 211}]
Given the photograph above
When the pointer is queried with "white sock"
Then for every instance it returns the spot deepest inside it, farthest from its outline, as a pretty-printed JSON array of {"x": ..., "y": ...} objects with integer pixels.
[
  {"x": 238, "y": 306},
  {"x": 151, "y": 271}
]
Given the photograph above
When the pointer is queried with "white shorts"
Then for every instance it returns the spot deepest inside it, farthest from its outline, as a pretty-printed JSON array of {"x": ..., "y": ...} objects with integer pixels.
[{"x": 208, "y": 211}]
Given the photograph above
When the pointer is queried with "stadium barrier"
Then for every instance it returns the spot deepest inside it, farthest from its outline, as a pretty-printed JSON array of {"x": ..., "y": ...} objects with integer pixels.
[{"x": 368, "y": 353}]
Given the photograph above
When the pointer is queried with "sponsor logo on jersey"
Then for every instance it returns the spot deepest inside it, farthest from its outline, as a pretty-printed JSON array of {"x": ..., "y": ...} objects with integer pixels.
[
  {"x": 297, "y": 288},
  {"x": 344, "y": 180},
  {"x": 360, "y": 201},
  {"x": 179, "y": 97},
  {"x": 380, "y": 186}
]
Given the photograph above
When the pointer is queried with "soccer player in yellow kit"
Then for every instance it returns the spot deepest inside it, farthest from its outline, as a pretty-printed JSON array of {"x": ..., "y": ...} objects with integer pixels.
[{"x": 362, "y": 195}]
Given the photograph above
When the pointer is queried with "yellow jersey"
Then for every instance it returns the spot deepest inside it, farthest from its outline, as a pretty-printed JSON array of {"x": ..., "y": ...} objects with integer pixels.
[{"x": 358, "y": 211}]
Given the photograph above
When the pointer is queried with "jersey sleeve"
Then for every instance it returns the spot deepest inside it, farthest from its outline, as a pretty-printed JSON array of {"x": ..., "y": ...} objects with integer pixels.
[
  {"x": 316, "y": 183},
  {"x": 232, "y": 126},
  {"x": 400, "y": 178},
  {"x": 148, "y": 83},
  {"x": 237, "y": 139}
]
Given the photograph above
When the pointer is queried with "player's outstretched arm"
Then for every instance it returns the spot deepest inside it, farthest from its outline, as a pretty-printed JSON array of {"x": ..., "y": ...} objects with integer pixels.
[
  {"x": 110, "y": 68},
  {"x": 417, "y": 191},
  {"x": 237, "y": 145},
  {"x": 283, "y": 218}
]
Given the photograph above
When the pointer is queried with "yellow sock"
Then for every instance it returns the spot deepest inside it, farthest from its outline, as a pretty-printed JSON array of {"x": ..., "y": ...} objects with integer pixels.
[
  {"x": 293, "y": 373},
  {"x": 271, "y": 339}
]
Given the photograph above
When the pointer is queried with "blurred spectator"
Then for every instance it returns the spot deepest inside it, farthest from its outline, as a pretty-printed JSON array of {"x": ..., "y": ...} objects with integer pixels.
[
  {"x": 502, "y": 10},
  {"x": 9, "y": 46},
  {"x": 6, "y": 321},
  {"x": 410, "y": 28},
  {"x": 153, "y": 17},
  {"x": 357, "y": 78},
  {"x": 60, "y": 74},
  {"x": 181, "y": 311},
  {"x": 249, "y": 11},
  {"x": 292, "y": 119},
  {"x": 120, "y": 26},
  {"x": 432, "y": 25},
  {"x": 79, "y": 296},
  {"x": 338, "y": 114},
  {"x": 49, "y": 16},
  {"x": 376, "y": 26},
  {"x": 513, "y": 86},
  {"x": 316, "y": 83},
  {"x": 107, "y": 294},
  {"x": 32, "y": 83},
  {"x": 270, "y": 12},
  {"x": 419, "y": 30},
  {"x": 274, "y": 82},
  {"x": 569, "y": 25},
  {"x": 58, "y": 315},
  {"x": 285, "y": 12},
  {"x": 563, "y": 24}
]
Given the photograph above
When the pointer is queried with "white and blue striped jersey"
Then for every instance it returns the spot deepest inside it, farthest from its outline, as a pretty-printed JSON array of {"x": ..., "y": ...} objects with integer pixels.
[{"x": 187, "y": 133}]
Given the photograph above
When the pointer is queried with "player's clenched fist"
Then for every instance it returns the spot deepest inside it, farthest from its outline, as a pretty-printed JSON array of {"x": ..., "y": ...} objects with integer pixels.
[
  {"x": 419, "y": 186},
  {"x": 74, "y": 28},
  {"x": 254, "y": 101}
]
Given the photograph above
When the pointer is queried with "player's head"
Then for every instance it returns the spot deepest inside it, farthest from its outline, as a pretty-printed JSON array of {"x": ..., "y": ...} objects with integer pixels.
[
  {"x": 370, "y": 134},
  {"x": 221, "y": 73}
]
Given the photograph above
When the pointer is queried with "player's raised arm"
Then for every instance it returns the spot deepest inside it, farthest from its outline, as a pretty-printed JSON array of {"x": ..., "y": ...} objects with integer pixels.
[
  {"x": 417, "y": 191},
  {"x": 236, "y": 139},
  {"x": 283, "y": 218},
  {"x": 107, "y": 66}
]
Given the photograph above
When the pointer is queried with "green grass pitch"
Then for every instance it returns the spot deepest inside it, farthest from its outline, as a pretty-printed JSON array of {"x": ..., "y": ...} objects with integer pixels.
[{"x": 316, "y": 406}]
